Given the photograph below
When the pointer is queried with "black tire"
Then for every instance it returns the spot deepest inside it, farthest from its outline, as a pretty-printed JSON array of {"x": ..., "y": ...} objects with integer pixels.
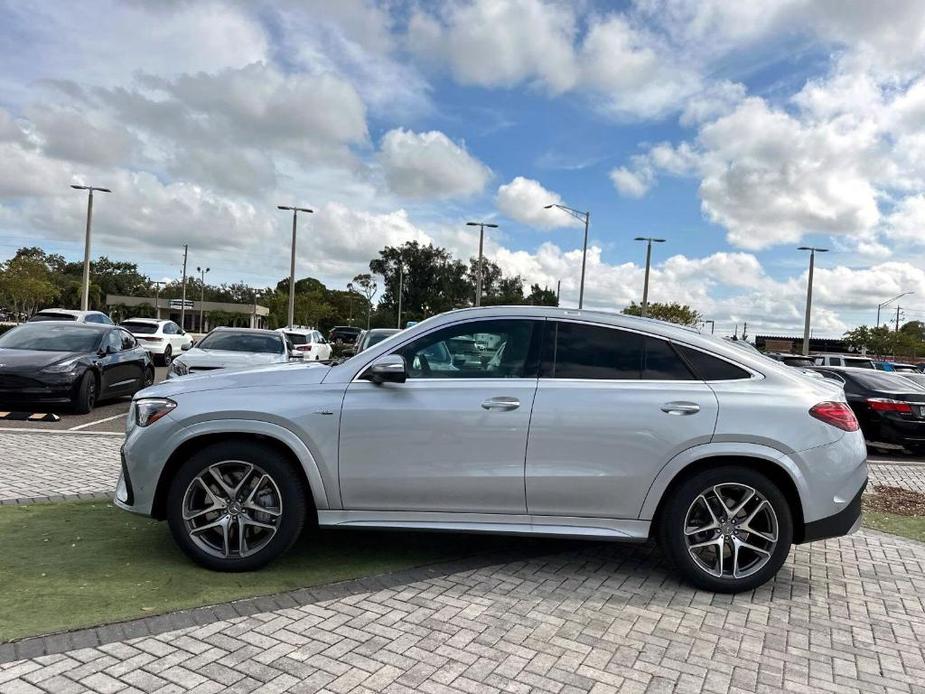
[
  {"x": 293, "y": 495},
  {"x": 86, "y": 394},
  {"x": 673, "y": 521},
  {"x": 167, "y": 356},
  {"x": 148, "y": 377}
]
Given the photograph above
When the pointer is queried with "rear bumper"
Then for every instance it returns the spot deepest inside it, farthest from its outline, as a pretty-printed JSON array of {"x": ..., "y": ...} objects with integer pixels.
[{"x": 845, "y": 522}]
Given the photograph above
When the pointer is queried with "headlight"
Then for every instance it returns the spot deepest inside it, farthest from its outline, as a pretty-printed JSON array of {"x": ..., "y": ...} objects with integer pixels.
[
  {"x": 177, "y": 368},
  {"x": 63, "y": 366},
  {"x": 149, "y": 410}
]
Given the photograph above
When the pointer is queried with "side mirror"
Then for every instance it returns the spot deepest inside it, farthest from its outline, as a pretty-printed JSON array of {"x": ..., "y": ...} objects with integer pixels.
[
  {"x": 186, "y": 348},
  {"x": 390, "y": 368}
]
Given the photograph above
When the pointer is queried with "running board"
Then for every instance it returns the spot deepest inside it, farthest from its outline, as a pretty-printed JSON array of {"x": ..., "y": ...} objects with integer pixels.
[{"x": 514, "y": 524}]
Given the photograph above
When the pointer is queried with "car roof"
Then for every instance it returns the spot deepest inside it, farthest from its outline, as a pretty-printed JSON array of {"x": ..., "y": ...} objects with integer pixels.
[
  {"x": 254, "y": 331},
  {"x": 154, "y": 321},
  {"x": 99, "y": 327},
  {"x": 297, "y": 331},
  {"x": 383, "y": 330},
  {"x": 67, "y": 311}
]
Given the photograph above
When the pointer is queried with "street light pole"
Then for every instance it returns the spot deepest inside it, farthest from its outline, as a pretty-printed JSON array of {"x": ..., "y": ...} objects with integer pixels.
[
  {"x": 809, "y": 292},
  {"x": 183, "y": 295},
  {"x": 401, "y": 277},
  {"x": 85, "y": 287},
  {"x": 645, "y": 287},
  {"x": 889, "y": 301},
  {"x": 478, "y": 286},
  {"x": 586, "y": 218},
  {"x": 295, "y": 212},
  {"x": 202, "y": 291}
]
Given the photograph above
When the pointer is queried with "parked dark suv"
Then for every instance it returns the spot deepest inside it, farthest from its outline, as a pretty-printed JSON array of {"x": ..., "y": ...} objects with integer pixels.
[{"x": 344, "y": 334}]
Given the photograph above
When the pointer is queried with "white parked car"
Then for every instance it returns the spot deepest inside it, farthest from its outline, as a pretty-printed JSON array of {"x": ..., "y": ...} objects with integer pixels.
[
  {"x": 852, "y": 360},
  {"x": 162, "y": 338},
  {"x": 66, "y": 314},
  {"x": 233, "y": 348},
  {"x": 309, "y": 342}
]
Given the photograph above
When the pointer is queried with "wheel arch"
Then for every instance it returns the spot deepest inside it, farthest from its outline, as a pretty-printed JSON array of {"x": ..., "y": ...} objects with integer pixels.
[
  {"x": 781, "y": 471},
  {"x": 306, "y": 469}
]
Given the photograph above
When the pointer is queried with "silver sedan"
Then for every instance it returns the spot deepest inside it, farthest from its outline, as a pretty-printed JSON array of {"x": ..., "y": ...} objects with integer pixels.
[{"x": 525, "y": 420}]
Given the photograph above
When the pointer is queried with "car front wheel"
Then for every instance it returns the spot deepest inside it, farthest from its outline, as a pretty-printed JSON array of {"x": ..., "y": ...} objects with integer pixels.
[
  {"x": 167, "y": 356},
  {"x": 236, "y": 506},
  {"x": 85, "y": 395},
  {"x": 727, "y": 530}
]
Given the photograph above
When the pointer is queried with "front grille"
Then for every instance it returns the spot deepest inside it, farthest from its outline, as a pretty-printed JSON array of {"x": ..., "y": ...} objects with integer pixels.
[{"x": 14, "y": 382}]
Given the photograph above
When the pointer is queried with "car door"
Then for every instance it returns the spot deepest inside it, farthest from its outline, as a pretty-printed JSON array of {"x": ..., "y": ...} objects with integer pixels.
[
  {"x": 454, "y": 435},
  {"x": 322, "y": 347},
  {"x": 113, "y": 374},
  {"x": 135, "y": 360},
  {"x": 612, "y": 408}
]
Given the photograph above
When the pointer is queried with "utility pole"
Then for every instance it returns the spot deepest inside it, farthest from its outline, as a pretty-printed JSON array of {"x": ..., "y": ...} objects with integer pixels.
[
  {"x": 478, "y": 286},
  {"x": 183, "y": 296},
  {"x": 558, "y": 290},
  {"x": 586, "y": 218},
  {"x": 157, "y": 299},
  {"x": 85, "y": 287},
  {"x": 295, "y": 212},
  {"x": 809, "y": 293},
  {"x": 202, "y": 291},
  {"x": 897, "y": 317},
  {"x": 889, "y": 301},
  {"x": 645, "y": 287},
  {"x": 401, "y": 277}
]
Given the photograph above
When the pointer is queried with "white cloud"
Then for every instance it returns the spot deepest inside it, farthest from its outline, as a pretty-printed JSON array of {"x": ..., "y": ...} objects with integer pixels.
[
  {"x": 632, "y": 184},
  {"x": 906, "y": 224},
  {"x": 429, "y": 165},
  {"x": 500, "y": 43},
  {"x": 524, "y": 200}
]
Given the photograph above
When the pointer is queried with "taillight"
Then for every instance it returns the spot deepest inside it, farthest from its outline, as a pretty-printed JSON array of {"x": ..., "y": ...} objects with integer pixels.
[
  {"x": 887, "y": 405},
  {"x": 838, "y": 414}
]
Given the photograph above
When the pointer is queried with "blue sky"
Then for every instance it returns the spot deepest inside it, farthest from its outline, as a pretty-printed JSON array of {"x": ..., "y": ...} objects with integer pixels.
[{"x": 735, "y": 131}]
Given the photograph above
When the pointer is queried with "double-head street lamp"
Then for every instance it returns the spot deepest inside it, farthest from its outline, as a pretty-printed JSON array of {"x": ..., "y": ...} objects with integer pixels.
[
  {"x": 202, "y": 291},
  {"x": 809, "y": 292},
  {"x": 890, "y": 301},
  {"x": 645, "y": 287},
  {"x": 586, "y": 218},
  {"x": 85, "y": 289},
  {"x": 295, "y": 212},
  {"x": 478, "y": 286}
]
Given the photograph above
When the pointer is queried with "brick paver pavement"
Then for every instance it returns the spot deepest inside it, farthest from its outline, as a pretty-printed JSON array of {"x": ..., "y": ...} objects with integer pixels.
[
  {"x": 906, "y": 476},
  {"x": 845, "y": 615},
  {"x": 52, "y": 466}
]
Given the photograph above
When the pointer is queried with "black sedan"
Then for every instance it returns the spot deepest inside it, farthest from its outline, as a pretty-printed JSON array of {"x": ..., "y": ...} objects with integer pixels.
[
  {"x": 889, "y": 407},
  {"x": 72, "y": 363}
]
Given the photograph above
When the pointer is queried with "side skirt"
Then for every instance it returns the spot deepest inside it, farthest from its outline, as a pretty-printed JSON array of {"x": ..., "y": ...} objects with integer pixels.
[{"x": 513, "y": 524}]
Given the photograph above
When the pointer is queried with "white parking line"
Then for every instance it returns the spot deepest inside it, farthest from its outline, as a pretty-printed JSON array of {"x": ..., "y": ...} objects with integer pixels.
[{"x": 98, "y": 421}]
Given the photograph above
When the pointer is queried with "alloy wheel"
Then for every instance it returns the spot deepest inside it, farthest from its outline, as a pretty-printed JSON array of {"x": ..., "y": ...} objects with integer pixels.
[
  {"x": 731, "y": 530},
  {"x": 232, "y": 509}
]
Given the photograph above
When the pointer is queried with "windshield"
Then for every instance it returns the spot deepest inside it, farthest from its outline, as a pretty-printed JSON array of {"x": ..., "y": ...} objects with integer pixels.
[
  {"x": 242, "y": 342},
  {"x": 51, "y": 338},
  {"x": 140, "y": 328},
  {"x": 39, "y": 317},
  {"x": 859, "y": 363}
]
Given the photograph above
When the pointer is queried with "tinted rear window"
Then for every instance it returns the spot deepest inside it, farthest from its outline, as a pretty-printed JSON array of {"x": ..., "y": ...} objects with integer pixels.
[
  {"x": 594, "y": 352},
  {"x": 859, "y": 363},
  {"x": 242, "y": 342},
  {"x": 140, "y": 328},
  {"x": 710, "y": 368},
  {"x": 879, "y": 380},
  {"x": 297, "y": 338},
  {"x": 39, "y": 317}
]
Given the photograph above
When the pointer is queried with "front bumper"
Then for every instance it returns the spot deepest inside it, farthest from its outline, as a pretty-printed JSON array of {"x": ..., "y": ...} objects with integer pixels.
[
  {"x": 845, "y": 522},
  {"x": 38, "y": 387}
]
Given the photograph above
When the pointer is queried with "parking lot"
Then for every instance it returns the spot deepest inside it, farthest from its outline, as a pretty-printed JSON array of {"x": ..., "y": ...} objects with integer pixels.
[{"x": 108, "y": 416}]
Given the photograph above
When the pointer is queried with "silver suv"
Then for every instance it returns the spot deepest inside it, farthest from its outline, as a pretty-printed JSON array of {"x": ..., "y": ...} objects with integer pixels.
[{"x": 522, "y": 420}]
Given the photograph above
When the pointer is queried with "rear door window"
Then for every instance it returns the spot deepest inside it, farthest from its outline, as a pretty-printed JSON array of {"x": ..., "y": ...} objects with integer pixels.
[{"x": 710, "y": 368}]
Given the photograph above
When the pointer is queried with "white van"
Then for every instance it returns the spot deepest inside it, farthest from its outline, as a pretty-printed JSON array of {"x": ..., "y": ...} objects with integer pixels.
[{"x": 853, "y": 360}]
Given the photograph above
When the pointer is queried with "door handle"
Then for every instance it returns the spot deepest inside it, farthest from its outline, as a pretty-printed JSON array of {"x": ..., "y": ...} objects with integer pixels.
[
  {"x": 681, "y": 408},
  {"x": 502, "y": 403}
]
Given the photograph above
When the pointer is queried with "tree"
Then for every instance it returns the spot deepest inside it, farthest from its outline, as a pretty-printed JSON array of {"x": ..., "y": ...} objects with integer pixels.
[
  {"x": 364, "y": 285},
  {"x": 541, "y": 297},
  {"x": 682, "y": 314},
  {"x": 26, "y": 284}
]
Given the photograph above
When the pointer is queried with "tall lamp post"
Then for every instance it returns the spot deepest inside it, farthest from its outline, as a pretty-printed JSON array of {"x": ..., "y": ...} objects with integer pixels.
[
  {"x": 645, "y": 287},
  {"x": 85, "y": 288},
  {"x": 295, "y": 212},
  {"x": 478, "y": 286},
  {"x": 809, "y": 292},
  {"x": 890, "y": 301},
  {"x": 586, "y": 218},
  {"x": 401, "y": 281},
  {"x": 202, "y": 291}
]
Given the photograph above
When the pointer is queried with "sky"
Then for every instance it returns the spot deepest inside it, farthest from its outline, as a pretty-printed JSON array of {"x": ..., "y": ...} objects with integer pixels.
[{"x": 737, "y": 131}]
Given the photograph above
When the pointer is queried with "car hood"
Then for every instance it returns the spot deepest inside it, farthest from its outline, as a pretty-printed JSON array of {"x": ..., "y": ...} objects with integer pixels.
[
  {"x": 219, "y": 358},
  {"x": 282, "y": 374},
  {"x": 28, "y": 359}
]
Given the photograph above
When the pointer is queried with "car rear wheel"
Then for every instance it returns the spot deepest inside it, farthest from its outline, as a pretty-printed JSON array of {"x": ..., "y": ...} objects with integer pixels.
[
  {"x": 236, "y": 506},
  {"x": 727, "y": 530},
  {"x": 167, "y": 356},
  {"x": 149, "y": 378},
  {"x": 86, "y": 394}
]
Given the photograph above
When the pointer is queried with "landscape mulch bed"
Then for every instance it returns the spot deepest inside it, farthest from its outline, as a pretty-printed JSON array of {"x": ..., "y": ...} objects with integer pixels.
[{"x": 901, "y": 502}]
